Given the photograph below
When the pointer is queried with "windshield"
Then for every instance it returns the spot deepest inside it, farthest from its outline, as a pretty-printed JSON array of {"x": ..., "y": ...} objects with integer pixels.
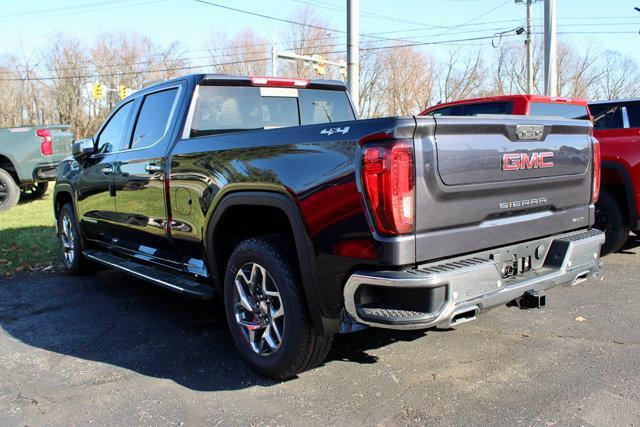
[{"x": 223, "y": 109}]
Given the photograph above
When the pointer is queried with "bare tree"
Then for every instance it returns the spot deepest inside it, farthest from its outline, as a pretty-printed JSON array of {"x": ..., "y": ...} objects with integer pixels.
[
  {"x": 309, "y": 39},
  {"x": 462, "y": 75},
  {"x": 620, "y": 77},
  {"x": 65, "y": 60},
  {"x": 245, "y": 53}
]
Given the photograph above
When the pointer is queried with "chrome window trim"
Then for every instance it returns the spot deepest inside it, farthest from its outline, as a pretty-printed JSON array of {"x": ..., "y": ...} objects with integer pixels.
[
  {"x": 186, "y": 132},
  {"x": 169, "y": 121},
  {"x": 625, "y": 118}
]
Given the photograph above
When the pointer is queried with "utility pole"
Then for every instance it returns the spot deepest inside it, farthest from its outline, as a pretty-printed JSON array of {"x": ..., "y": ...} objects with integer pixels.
[
  {"x": 550, "y": 49},
  {"x": 353, "y": 50},
  {"x": 274, "y": 61},
  {"x": 529, "y": 49}
]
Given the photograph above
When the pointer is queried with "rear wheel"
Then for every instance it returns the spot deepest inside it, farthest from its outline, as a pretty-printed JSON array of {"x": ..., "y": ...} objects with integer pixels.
[
  {"x": 9, "y": 191},
  {"x": 70, "y": 241},
  {"x": 266, "y": 310},
  {"x": 611, "y": 219},
  {"x": 34, "y": 191}
]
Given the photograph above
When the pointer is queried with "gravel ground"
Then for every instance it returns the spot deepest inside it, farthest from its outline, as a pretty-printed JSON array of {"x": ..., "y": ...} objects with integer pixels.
[{"x": 112, "y": 350}]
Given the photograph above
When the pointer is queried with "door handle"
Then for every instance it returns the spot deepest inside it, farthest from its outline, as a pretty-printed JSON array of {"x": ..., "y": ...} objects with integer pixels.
[
  {"x": 153, "y": 168},
  {"x": 107, "y": 170}
]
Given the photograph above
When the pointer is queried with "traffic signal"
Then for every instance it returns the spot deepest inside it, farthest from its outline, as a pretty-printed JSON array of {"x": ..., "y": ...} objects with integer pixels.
[
  {"x": 319, "y": 65},
  {"x": 122, "y": 91},
  {"x": 97, "y": 90}
]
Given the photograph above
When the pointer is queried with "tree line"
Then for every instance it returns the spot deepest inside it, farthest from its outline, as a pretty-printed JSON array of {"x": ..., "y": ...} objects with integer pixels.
[{"x": 53, "y": 85}]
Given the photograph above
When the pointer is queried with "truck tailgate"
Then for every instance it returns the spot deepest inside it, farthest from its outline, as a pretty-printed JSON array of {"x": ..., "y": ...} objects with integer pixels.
[
  {"x": 62, "y": 139},
  {"x": 488, "y": 181}
]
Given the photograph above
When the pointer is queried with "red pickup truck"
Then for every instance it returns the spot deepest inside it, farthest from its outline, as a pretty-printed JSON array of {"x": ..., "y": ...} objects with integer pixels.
[
  {"x": 617, "y": 127},
  {"x": 527, "y": 105}
]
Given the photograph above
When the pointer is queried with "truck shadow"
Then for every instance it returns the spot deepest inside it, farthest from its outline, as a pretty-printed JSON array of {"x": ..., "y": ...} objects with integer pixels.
[
  {"x": 631, "y": 246},
  {"x": 113, "y": 319}
]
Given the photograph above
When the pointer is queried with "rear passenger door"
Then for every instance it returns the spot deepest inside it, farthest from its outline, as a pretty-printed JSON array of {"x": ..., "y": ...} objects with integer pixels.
[{"x": 139, "y": 178}]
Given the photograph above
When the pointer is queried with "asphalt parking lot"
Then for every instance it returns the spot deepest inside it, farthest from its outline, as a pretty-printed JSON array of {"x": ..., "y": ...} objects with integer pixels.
[{"x": 112, "y": 350}]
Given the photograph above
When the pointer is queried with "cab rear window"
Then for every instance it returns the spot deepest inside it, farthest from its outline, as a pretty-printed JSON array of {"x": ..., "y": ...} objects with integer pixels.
[
  {"x": 223, "y": 109},
  {"x": 500, "y": 107},
  {"x": 568, "y": 111}
]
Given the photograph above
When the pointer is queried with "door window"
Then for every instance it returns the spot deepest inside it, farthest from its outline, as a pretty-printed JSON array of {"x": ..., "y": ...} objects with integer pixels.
[
  {"x": 633, "y": 112},
  {"x": 606, "y": 116},
  {"x": 112, "y": 137},
  {"x": 154, "y": 118}
]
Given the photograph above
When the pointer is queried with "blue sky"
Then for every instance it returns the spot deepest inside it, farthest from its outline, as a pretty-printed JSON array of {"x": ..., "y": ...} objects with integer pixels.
[{"x": 589, "y": 21}]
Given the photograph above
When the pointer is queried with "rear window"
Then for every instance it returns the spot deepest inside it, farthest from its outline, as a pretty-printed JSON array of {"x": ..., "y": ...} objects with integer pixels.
[
  {"x": 567, "y": 111},
  {"x": 324, "y": 106},
  {"x": 221, "y": 109},
  {"x": 633, "y": 111},
  {"x": 474, "y": 109},
  {"x": 485, "y": 108},
  {"x": 606, "y": 116}
]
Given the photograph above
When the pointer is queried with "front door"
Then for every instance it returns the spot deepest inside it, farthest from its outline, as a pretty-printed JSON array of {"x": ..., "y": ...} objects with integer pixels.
[
  {"x": 141, "y": 226},
  {"x": 95, "y": 199}
]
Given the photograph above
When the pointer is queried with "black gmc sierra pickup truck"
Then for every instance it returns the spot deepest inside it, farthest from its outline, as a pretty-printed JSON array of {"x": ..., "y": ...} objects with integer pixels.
[{"x": 308, "y": 222}]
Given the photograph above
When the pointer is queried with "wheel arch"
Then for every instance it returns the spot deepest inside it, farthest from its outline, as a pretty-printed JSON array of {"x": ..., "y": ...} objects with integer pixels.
[
  {"x": 9, "y": 165},
  {"x": 623, "y": 188},
  {"x": 62, "y": 195},
  {"x": 303, "y": 247}
]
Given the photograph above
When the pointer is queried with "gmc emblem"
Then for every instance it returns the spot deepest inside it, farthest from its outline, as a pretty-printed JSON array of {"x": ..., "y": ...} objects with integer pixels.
[{"x": 523, "y": 161}]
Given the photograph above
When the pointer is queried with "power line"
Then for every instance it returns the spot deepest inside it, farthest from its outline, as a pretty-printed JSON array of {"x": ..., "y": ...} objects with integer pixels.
[
  {"x": 125, "y": 73},
  {"x": 85, "y": 8},
  {"x": 287, "y": 21}
]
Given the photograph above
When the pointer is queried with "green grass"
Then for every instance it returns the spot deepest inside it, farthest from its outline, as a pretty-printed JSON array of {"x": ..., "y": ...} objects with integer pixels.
[{"x": 27, "y": 237}]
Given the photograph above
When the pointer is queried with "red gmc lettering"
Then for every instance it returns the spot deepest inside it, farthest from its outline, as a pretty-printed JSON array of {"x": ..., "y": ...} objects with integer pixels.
[{"x": 524, "y": 161}]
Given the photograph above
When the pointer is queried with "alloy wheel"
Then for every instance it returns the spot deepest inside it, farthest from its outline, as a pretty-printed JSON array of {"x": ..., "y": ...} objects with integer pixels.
[
  {"x": 258, "y": 309},
  {"x": 3, "y": 192},
  {"x": 67, "y": 239}
]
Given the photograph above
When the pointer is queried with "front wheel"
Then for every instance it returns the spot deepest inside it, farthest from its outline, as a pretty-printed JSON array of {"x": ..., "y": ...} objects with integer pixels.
[
  {"x": 611, "y": 219},
  {"x": 69, "y": 236},
  {"x": 267, "y": 312}
]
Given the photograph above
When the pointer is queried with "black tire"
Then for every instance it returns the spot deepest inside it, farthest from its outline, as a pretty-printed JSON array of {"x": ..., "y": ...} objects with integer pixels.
[
  {"x": 613, "y": 220},
  {"x": 9, "y": 191},
  {"x": 70, "y": 242},
  {"x": 34, "y": 191},
  {"x": 300, "y": 348}
]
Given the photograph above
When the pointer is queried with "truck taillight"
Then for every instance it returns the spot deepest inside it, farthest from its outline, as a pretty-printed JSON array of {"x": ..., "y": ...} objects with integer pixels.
[
  {"x": 388, "y": 181},
  {"x": 596, "y": 171},
  {"x": 46, "y": 147}
]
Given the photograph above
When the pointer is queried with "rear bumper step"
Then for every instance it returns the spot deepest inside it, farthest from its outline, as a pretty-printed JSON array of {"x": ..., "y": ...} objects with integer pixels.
[{"x": 451, "y": 292}]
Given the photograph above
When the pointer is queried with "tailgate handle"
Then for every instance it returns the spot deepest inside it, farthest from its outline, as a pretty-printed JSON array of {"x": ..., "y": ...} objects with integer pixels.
[{"x": 529, "y": 132}]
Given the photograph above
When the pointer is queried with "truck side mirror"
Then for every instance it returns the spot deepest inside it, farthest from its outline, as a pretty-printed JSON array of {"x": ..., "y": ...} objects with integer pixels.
[{"x": 83, "y": 148}]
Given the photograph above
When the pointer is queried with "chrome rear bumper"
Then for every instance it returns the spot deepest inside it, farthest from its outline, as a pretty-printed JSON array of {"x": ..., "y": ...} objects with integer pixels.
[{"x": 453, "y": 291}]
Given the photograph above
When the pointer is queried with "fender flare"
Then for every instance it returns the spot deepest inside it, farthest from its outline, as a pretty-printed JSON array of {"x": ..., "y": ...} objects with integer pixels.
[
  {"x": 628, "y": 188},
  {"x": 304, "y": 247}
]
